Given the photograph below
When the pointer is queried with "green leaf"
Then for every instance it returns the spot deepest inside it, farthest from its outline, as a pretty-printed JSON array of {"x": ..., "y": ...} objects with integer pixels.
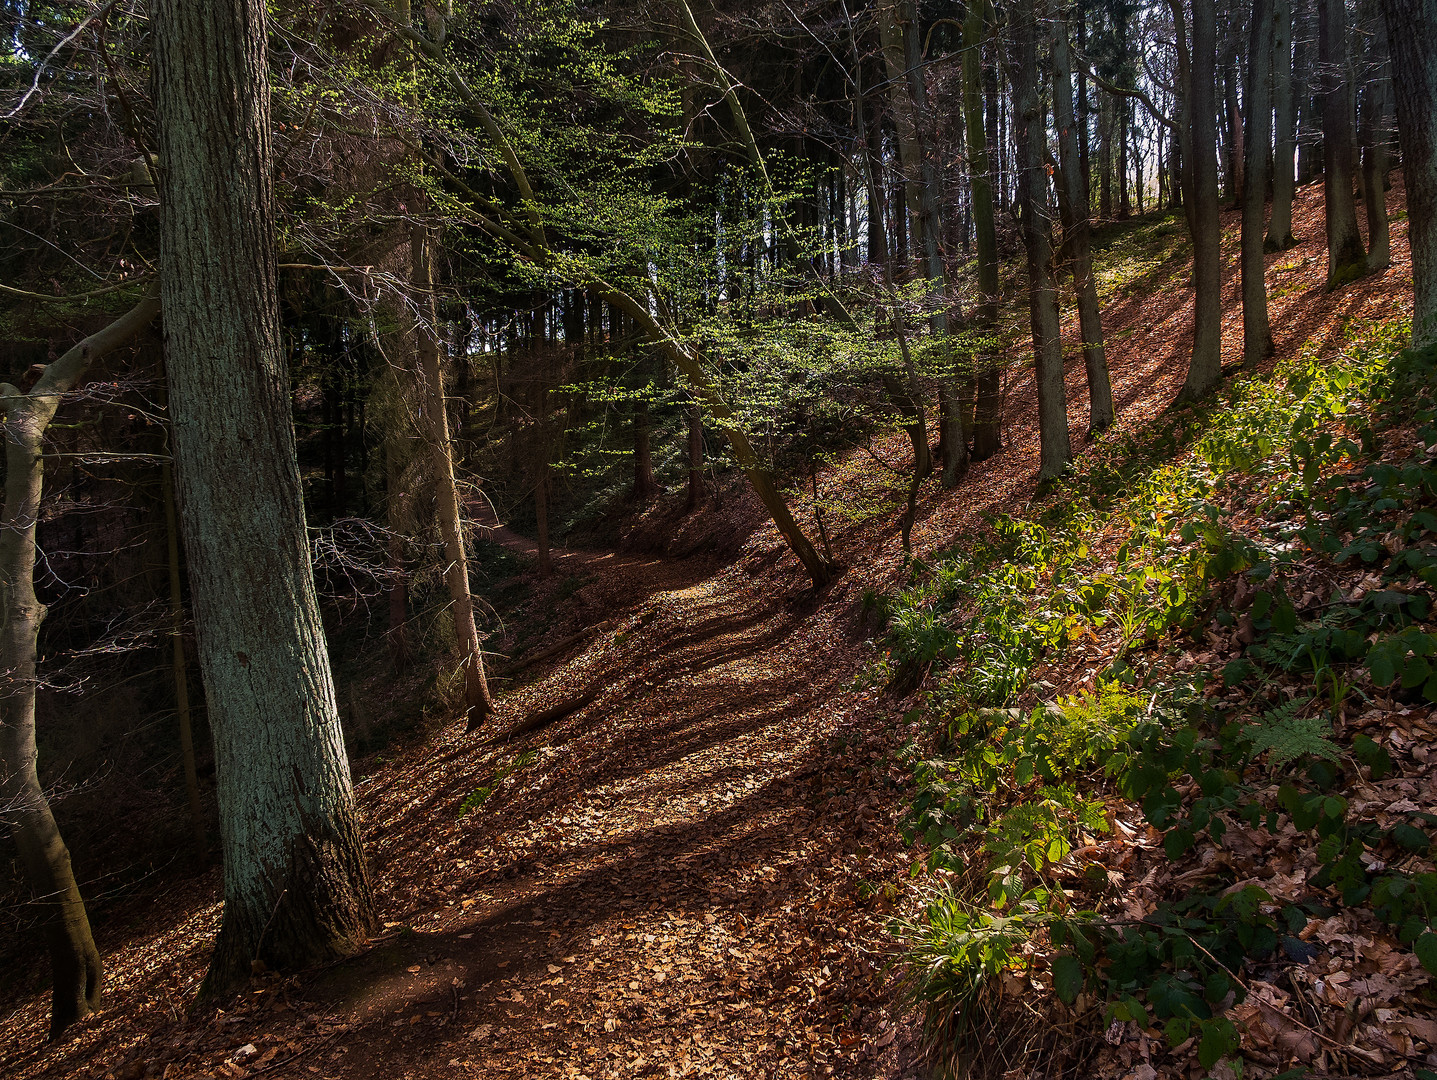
[
  {"x": 1426, "y": 950},
  {"x": 1219, "y": 1038},
  {"x": 1067, "y": 978}
]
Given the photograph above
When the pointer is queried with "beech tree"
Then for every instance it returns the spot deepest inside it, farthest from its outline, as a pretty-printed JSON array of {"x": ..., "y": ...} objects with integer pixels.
[
  {"x": 295, "y": 885},
  {"x": 74, "y": 961},
  {"x": 1346, "y": 258},
  {"x": 1256, "y": 331},
  {"x": 1030, "y": 121}
]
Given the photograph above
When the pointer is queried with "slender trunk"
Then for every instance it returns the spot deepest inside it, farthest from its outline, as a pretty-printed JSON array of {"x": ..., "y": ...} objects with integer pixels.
[
  {"x": 1309, "y": 123},
  {"x": 296, "y": 889},
  {"x": 696, "y": 457},
  {"x": 1077, "y": 238},
  {"x": 1346, "y": 259},
  {"x": 1279, "y": 225},
  {"x": 1412, "y": 41},
  {"x": 645, "y": 486},
  {"x": 1256, "y": 333},
  {"x": 987, "y": 427},
  {"x": 1030, "y": 130},
  {"x": 1374, "y": 155},
  {"x": 478, "y": 705},
  {"x": 541, "y": 515},
  {"x": 1236, "y": 152},
  {"x": 1198, "y": 73},
  {"x": 76, "y": 975}
]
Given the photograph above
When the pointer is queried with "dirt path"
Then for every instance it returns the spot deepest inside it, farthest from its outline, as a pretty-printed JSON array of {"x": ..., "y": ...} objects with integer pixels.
[{"x": 649, "y": 895}]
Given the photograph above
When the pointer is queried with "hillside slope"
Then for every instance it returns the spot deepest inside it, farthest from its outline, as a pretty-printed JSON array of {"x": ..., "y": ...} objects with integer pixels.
[{"x": 691, "y": 871}]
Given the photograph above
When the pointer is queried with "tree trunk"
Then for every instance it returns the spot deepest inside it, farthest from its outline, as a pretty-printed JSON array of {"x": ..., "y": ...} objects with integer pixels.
[
  {"x": 1346, "y": 259},
  {"x": 1030, "y": 131},
  {"x": 1374, "y": 154},
  {"x": 60, "y": 911},
  {"x": 1309, "y": 123},
  {"x": 1256, "y": 333},
  {"x": 478, "y": 705},
  {"x": 178, "y": 665},
  {"x": 296, "y": 889},
  {"x": 987, "y": 427},
  {"x": 1077, "y": 238},
  {"x": 1412, "y": 40},
  {"x": 645, "y": 487},
  {"x": 1279, "y": 224},
  {"x": 696, "y": 457},
  {"x": 1198, "y": 75}
]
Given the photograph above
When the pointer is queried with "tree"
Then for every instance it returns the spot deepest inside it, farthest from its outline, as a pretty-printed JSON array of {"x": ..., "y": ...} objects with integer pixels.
[
  {"x": 1412, "y": 41},
  {"x": 1279, "y": 224},
  {"x": 976, "y": 32},
  {"x": 1375, "y": 96},
  {"x": 1077, "y": 235},
  {"x": 295, "y": 884},
  {"x": 1346, "y": 258},
  {"x": 74, "y": 961},
  {"x": 1197, "y": 74},
  {"x": 1030, "y": 132},
  {"x": 1256, "y": 332}
]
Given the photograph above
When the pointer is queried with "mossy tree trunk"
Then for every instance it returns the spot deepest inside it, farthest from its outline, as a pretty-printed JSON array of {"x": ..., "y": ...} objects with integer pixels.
[{"x": 295, "y": 885}]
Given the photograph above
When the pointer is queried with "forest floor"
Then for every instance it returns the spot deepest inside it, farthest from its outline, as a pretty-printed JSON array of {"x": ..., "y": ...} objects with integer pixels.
[{"x": 692, "y": 871}]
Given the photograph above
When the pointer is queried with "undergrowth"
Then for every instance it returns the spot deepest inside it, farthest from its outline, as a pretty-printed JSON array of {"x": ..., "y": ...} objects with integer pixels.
[{"x": 1209, "y": 526}]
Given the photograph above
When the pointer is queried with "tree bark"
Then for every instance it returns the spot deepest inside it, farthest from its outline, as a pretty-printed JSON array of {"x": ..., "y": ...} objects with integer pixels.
[
  {"x": 1256, "y": 332},
  {"x": 696, "y": 457},
  {"x": 645, "y": 487},
  {"x": 1279, "y": 224},
  {"x": 1346, "y": 259},
  {"x": 987, "y": 427},
  {"x": 75, "y": 968},
  {"x": 1198, "y": 75},
  {"x": 1412, "y": 41},
  {"x": 1077, "y": 236},
  {"x": 478, "y": 705},
  {"x": 1375, "y": 99},
  {"x": 1030, "y": 142},
  {"x": 296, "y": 889}
]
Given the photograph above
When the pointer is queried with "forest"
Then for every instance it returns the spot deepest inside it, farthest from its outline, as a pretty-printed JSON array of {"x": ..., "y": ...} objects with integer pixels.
[{"x": 810, "y": 538}]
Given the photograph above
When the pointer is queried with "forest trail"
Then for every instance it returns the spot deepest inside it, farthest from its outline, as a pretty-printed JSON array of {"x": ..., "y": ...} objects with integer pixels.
[{"x": 648, "y": 895}]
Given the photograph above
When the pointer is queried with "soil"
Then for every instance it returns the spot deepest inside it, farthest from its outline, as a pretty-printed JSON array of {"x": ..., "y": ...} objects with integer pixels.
[{"x": 694, "y": 873}]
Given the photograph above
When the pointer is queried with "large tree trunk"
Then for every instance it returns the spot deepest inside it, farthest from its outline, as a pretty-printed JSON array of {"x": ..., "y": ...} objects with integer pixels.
[
  {"x": 1198, "y": 76},
  {"x": 1412, "y": 41},
  {"x": 645, "y": 486},
  {"x": 987, "y": 427},
  {"x": 1256, "y": 333},
  {"x": 696, "y": 457},
  {"x": 1375, "y": 99},
  {"x": 59, "y": 909},
  {"x": 1279, "y": 224},
  {"x": 1077, "y": 237},
  {"x": 1346, "y": 259},
  {"x": 1030, "y": 131},
  {"x": 296, "y": 889}
]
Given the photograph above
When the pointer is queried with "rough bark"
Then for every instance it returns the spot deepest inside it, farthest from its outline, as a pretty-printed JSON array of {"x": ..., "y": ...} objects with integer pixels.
[
  {"x": 1198, "y": 76},
  {"x": 1279, "y": 223},
  {"x": 1077, "y": 236},
  {"x": 76, "y": 975},
  {"x": 1346, "y": 258},
  {"x": 296, "y": 890},
  {"x": 1256, "y": 331},
  {"x": 1030, "y": 142},
  {"x": 1412, "y": 41}
]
